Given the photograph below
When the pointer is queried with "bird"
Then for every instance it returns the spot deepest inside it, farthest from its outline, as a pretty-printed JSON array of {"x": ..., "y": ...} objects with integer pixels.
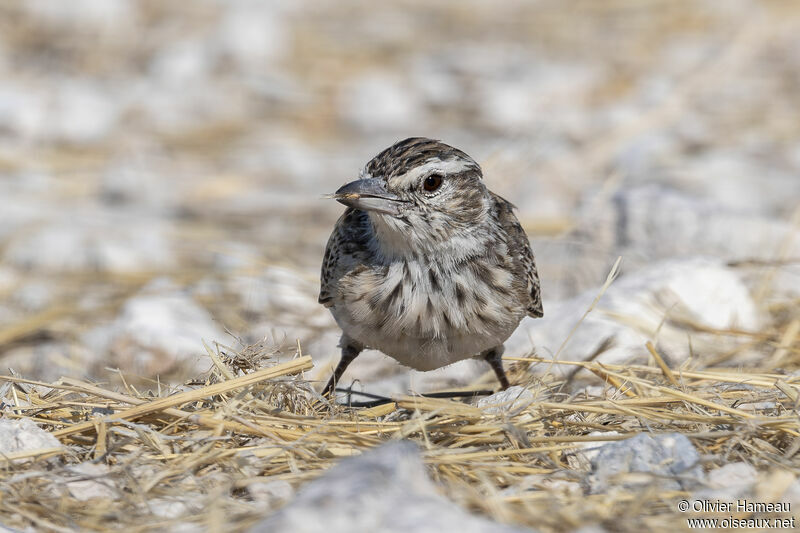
[{"x": 426, "y": 264}]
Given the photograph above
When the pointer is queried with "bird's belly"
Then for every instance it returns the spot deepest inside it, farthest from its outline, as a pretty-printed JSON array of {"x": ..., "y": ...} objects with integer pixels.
[
  {"x": 424, "y": 323},
  {"x": 424, "y": 352},
  {"x": 429, "y": 354}
]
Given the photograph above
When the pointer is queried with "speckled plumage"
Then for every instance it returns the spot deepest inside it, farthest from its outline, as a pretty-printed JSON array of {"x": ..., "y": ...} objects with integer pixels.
[{"x": 447, "y": 276}]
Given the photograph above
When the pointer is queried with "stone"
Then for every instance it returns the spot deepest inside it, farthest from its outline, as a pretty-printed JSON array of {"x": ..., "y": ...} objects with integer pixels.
[
  {"x": 83, "y": 112},
  {"x": 653, "y": 222},
  {"x": 669, "y": 461},
  {"x": 271, "y": 493},
  {"x": 91, "y": 481},
  {"x": 378, "y": 102},
  {"x": 252, "y": 34},
  {"x": 740, "y": 181},
  {"x": 510, "y": 401},
  {"x": 24, "y": 435},
  {"x": 385, "y": 490},
  {"x": 97, "y": 14},
  {"x": 86, "y": 238},
  {"x": 160, "y": 330},
  {"x": 650, "y": 303},
  {"x": 729, "y": 482}
]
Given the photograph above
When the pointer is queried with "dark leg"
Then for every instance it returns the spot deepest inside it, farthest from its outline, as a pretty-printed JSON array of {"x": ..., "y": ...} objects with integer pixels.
[
  {"x": 350, "y": 350},
  {"x": 495, "y": 359}
]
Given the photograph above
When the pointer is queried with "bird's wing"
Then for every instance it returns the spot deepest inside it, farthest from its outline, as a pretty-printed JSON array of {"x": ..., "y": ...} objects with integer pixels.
[
  {"x": 328, "y": 266},
  {"x": 519, "y": 243},
  {"x": 345, "y": 245}
]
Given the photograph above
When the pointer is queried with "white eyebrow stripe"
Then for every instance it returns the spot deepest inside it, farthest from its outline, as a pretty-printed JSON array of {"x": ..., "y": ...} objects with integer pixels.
[{"x": 448, "y": 166}]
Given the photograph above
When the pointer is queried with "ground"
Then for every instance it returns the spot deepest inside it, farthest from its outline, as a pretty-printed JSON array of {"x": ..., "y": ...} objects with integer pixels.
[{"x": 162, "y": 172}]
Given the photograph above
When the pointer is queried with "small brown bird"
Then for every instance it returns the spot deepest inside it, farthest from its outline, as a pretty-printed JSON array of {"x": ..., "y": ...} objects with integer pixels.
[{"x": 427, "y": 265}]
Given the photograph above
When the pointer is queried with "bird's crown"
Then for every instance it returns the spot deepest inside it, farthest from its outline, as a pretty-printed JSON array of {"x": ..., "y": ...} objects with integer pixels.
[{"x": 419, "y": 155}]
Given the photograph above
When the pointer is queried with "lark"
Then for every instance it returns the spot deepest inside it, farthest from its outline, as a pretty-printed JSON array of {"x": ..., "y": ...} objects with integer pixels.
[{"x": 427, "y": 265}]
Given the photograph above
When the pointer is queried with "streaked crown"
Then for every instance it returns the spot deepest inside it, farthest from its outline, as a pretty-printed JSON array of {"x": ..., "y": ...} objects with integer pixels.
[{"x": 416, "y": 152}]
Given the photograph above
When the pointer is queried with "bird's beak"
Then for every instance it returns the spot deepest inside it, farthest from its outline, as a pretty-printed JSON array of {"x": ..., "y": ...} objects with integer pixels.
[{"x": 369, "y": 194}]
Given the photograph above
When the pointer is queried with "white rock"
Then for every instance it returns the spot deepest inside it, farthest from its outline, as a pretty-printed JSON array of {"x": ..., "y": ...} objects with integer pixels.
[
  {"x": 590, "y": 449},
  {"x": 82, "y": 112},
  {"x": 563, "y": 486},
  {"x": 739, "y": 181},
  {"x": 49, "y": 360},
  {"x": 158, "y": 331},
  {"x": 272, "y": 493},
  {"x": 179, "y": 108},
  {"x": 521, "y": 97},
  {"x": 171, "y": 508},
  {"x": 740, "y": 473},
  {"x": 435, "y": 83},
  {"x": 510, "y": 106},
  {"x": 281, "y": 292},
  {"x": 384, "y": 490},
  {"x": 131, "y": 182},
  {"x": 93, "y": 481},
  {"x": 85, "y": 238},
  {"x": 651, "y": 223},
  {"x": 380, "y": 102},
  {"x": 510, "y": 401},
  {"x": 295, "y": 159},
  {"x": 729, "y": 482},
  {"x": 593, "y": 528},
  {"x": 638, "y": 307},
  {"x": 95, "y": 13},
  {"x": 669, "y": 461},
  {"x": 654, "y": 222},
  {"x": 186, "y": 61},
  {"x": 71, "y": 109},
  {"x": 253, "y": 33},
  {"x": 24, "y": 435},
  {"x": 33, "y": 295},
  {"x": 506, "y": 160},
  {"x": 9, "y": 278},
  {"x": 792, "y": 494},
  {"x": 23, "y": 110}
]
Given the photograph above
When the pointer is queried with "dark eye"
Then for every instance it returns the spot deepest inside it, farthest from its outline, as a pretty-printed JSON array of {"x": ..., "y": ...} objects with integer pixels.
[{"x": 432, "y": 182}]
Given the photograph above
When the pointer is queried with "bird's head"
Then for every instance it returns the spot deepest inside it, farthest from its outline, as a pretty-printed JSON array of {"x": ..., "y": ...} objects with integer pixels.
[{"x": 422, "y": 196}]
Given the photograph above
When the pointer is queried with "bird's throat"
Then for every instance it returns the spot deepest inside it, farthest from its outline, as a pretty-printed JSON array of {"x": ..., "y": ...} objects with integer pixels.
[{"x": 398, "y": 239}]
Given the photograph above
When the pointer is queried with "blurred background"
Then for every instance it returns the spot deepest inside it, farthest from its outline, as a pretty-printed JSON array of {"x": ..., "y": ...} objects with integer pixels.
[{"x": 162, "y": 165}]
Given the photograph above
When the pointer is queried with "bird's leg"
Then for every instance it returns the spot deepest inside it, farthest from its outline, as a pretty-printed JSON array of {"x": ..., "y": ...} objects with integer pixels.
[
  {"x": 494, "y": 357},
  {"x": 350, "y": 351}
]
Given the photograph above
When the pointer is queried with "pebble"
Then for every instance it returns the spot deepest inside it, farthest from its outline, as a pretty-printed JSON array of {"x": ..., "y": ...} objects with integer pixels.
[
  {"x": 93, "y": 482},
  {"x": 158, "y": 331},
  {"x": 510, "y": 401},
  {"x": 24, "y": 435},
  {"x": 668, "y": 461}
]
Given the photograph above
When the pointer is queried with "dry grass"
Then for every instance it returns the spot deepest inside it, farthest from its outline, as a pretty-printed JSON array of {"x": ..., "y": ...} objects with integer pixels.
[{"x": 199, "y": 454}]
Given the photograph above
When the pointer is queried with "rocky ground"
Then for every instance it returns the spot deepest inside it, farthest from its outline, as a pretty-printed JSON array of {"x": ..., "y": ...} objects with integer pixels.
[{"x": 162, "y": 167}]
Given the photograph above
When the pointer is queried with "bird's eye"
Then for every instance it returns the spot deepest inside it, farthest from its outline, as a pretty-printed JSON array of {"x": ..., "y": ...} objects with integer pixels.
[{"x": 432, "y": 182}]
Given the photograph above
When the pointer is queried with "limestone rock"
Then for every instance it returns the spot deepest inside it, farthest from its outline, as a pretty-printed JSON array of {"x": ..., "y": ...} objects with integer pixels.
[
  {"x": 651, "y": 303},
  {"x": 385, "y": 490},
  {"x": 670, "y": 461}
]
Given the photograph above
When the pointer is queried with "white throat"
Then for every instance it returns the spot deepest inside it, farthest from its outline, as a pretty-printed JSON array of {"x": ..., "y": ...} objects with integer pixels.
[{"x": 396, "y": 240}]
